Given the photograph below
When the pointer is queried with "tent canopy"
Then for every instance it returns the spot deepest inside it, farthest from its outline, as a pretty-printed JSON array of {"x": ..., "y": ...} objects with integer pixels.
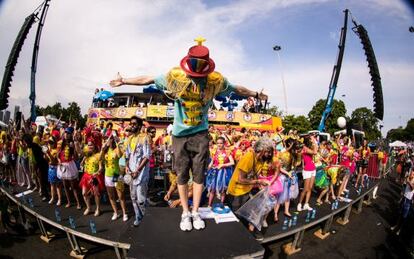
[{"x": 398, "y": 143}]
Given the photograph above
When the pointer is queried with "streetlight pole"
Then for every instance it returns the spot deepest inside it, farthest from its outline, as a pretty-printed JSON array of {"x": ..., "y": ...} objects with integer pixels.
[{"x": 277, "y": 49}]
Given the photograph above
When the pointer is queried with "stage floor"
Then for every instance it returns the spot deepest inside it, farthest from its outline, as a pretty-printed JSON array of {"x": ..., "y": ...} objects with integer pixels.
[{"x": 159, "y": 236}]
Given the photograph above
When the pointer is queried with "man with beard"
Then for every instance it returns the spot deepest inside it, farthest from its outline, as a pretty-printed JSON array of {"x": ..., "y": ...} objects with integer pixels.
[
  {"x": 193, "y": 86},
  {"x": 137, "y": 154}
]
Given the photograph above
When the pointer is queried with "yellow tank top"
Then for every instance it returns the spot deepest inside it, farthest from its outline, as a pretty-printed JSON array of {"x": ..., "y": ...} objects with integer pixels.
[
  {"x": 92, "y": 164},
  {"x": 111, "y": 163}
]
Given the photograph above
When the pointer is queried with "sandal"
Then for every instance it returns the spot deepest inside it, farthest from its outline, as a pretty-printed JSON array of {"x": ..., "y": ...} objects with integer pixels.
[{"x": 319, "y": 203}]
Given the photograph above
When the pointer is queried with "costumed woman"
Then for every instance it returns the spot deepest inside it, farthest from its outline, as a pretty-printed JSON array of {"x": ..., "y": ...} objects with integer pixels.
[
  {"x": 270, "y": 171},
  {"x": 92, "y": 182},
  {"x": 219, "y": 172},
  {"x": 310, "y": 149},
  {"x": 67, "y": 171},
  {"x": 288, "y": 177},
  {"x": 322, "y": 179},
  {"x": 51, "y": 155},
  {"x": 111, "y": 154},
  {"x": 364, "y": 153},
  {"x": 23, "y": 172},
  {"x": 238, "y": 152}
]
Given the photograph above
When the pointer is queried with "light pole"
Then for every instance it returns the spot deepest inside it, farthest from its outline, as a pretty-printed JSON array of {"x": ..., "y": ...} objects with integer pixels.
[{"x": 277, "y": 49}]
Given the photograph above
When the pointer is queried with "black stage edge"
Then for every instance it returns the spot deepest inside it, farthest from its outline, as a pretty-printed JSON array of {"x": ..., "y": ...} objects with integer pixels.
[
  {"x": 323, "y": 212},
  {"x": 158, "y": 235}
]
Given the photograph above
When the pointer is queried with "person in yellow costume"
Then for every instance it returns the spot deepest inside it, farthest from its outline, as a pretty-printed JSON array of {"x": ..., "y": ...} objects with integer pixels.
[
  {"x": 92, "y": 182},
  {"x": 192, "y": 86},
  {"x": 245, "y": 175},
  {"x": 51, "y": 155},
  {"x": 110, "y": 154}
]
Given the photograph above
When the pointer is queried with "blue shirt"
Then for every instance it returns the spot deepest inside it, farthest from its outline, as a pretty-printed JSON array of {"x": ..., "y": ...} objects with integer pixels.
[{"x": 190, "y": 110}]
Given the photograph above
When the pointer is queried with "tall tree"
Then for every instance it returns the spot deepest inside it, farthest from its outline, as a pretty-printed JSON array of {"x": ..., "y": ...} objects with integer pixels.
[
  {"x": 299, "y": 123},
  {"x": 71, "y": 113},
  {"x": 400, "y": 133},
  {"x": 274, "y": 111},
  {"x": 315, "y": 115},
  {"x": 365, "y": 120}
]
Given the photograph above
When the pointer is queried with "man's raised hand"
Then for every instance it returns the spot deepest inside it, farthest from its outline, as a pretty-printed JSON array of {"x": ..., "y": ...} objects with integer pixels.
[{"x": 117, "y": 81}]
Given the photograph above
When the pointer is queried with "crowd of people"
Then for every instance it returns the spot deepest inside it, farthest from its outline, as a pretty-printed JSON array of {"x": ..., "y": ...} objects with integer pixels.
[
  {"x": 206, "y": 165},
  {"x": 84, "y": 163}
]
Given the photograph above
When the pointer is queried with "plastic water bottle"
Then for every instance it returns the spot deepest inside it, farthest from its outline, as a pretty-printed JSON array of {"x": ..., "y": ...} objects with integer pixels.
[
  {"x": 336, "y": 204},
  {"x": 92, "y": 225},
  {"x": 24, "y": 198},
  {"x": 307, "y": 216},
  {"x": 333, "y": 205},
  {"x": 290, "y": 223},
  {"x": 295, "y": 220},
  {"x": 359, "y": 189},
  {"x": 169, "y": 202},
  {"x": 72, "y": 222},
  {"x": 347, "y": 195},
  {"x": 57, "y": 214},
  {"x": 285, "y": 224},
  {"x": 313, "y": 215},
  {"x": 367, "y": 182},
  {"x": 30, "y": 201}
]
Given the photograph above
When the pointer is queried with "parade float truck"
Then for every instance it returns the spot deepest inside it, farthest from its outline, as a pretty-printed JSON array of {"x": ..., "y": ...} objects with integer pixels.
[{"x": 158, "y": 110}]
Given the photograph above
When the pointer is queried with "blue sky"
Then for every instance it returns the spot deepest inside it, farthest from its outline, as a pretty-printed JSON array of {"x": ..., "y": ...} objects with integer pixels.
[{"x": 83, "y": 49}]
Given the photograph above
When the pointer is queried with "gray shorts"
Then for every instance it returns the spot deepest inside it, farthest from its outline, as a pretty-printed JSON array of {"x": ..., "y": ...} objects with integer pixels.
[{"x": 191, "y": 152}]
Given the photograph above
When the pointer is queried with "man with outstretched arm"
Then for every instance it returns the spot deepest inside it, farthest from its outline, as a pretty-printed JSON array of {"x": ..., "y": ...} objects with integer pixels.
[{"x": 193, "y": 87}]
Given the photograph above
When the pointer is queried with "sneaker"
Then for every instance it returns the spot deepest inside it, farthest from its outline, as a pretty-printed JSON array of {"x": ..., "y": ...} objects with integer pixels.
[
  {"x": 198, "y": 223},
  {"x": 185, "y": 224},
  {"x": 299, "y": 207},
  {"x": 51, "y": 201},
  {"x": 136, "y": 223},
  {"x": 114, "y": 216},
  {"x": 258, "y": 235},
  {"x": 58, "y": 203},
  {"x": 264, "y": 224},
  {"x": 125, "y": 218},
  {"x": 97, "y": 213},
  {"x": 307, "y": 207}
]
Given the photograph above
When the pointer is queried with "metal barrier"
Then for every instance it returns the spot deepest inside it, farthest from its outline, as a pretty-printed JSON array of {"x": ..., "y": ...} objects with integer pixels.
[{"x": 72, "y": 235}]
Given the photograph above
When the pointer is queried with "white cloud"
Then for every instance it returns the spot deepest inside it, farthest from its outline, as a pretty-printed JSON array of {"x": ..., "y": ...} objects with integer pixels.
[{"x": 84, "y": 44}]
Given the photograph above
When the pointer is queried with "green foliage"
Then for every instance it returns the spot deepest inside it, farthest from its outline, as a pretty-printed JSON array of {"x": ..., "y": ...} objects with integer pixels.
[
  {"x": 274, "y": 111},
  {"x": 300, "y": 123},
  {"x": 68, "y": 114},
  {"x": 315, "y": 115},
  {"x": 402, "y": 134},
  {"x": 364, "y": 119}
]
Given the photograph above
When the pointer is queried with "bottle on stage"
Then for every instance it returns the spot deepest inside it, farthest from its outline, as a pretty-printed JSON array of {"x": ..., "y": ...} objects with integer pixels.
[
  {"x": 30, "y": 201},
  {"x": 72, "y": 222},
  {"x": 295, "y": 220},
  {"x": 57, "y": 215},
  {"x": 290, "y": 223},
  {"x": 92, "y": 225},
  {"x": 313, "y": 215},
  {"x": 307, "y": 216},
  {"x": 285, "y": 224}
]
